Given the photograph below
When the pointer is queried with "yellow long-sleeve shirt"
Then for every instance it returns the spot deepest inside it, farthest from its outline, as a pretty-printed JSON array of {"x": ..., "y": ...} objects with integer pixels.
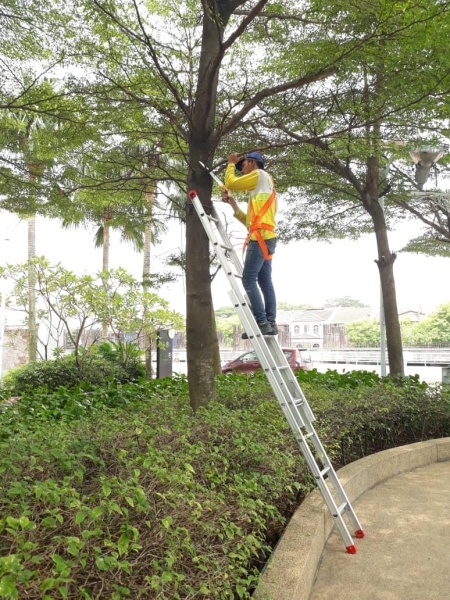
[{"x": 260, "y": 186}]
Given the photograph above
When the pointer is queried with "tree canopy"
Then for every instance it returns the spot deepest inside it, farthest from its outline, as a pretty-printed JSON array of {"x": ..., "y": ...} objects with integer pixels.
[{"x": 145, "y": 91}]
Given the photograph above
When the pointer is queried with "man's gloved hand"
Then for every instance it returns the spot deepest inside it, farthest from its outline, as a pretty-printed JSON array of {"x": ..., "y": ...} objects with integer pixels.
[
  {"x": 233, "y": 157},
  {"x": 226, "y": 196}
]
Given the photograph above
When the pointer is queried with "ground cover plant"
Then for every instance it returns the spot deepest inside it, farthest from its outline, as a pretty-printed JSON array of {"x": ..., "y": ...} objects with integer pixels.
[{"x": 121, "y": 491}]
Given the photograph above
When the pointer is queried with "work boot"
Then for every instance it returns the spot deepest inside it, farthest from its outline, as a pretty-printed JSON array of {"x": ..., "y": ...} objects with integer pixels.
[
  {"x": 265, "y": 328},
  {"x": 274, "y": 329}
]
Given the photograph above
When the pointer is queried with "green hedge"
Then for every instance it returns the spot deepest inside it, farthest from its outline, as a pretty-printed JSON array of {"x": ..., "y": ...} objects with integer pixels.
[{"x": 65, "y": 372}]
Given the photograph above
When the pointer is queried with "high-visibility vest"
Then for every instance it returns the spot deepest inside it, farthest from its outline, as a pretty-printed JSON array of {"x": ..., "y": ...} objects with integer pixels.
[{"x": 256, "y": 226}]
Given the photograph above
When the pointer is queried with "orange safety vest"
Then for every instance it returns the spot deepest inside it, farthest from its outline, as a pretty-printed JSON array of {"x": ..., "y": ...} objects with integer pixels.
[{"x": 256, "y": 226}]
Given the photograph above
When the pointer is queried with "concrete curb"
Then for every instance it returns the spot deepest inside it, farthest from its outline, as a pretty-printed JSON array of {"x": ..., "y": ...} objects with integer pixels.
[{"x": 292, "y": 568}]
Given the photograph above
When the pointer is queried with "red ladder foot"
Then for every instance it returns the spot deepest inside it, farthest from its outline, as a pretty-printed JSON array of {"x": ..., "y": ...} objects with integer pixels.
[
  {"x": 352, "y": 549},
  {"x": 359, "y": 533}
]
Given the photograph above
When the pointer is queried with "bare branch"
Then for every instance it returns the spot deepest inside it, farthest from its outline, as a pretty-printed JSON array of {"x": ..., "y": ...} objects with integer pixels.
[
  {"x": 279, "y": 16},
  {"x": 151, "y": 50},
  {"x": 250, "y": 16},
  {"x": 273, "y": 91},
  {"x": 420, "y": 216}
]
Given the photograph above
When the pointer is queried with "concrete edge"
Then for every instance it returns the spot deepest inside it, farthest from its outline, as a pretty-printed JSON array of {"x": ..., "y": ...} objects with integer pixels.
[{"x": 292, "y": 567}]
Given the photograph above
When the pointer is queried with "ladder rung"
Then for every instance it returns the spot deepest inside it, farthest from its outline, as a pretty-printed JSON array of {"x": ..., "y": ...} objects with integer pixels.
[
  {"x": 302, "y": 439},
  {"x": 308, "y": 435},
  {"x": 323, "y": 472},
  {"x": 229, "y": 248},
  {"x": 341, "y": 509},
  {"x": 213, "y": 219},
  {"x": 235, "y": 274}
]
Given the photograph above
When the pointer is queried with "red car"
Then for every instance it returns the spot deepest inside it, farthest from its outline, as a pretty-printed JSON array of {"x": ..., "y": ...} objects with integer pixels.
[{"x": 298, "y": 359}]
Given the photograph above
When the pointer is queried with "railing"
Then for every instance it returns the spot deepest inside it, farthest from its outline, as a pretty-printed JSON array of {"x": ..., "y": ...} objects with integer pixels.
[
  {"x": 412, "y": 356},
  {"x": 419, "y": 356}
]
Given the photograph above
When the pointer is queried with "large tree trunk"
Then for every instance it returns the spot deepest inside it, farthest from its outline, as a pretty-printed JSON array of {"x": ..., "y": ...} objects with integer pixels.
[
  {"x": 146, "y": 279},
  {"x": 201, "y": 147},
  {"x": 198, "y": 301},
  {"x": 385, "y": 264},
  {"x": 32, "y": 324}
]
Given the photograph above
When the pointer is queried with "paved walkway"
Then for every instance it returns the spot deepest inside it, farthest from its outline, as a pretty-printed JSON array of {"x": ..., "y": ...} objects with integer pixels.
[{"x": 406, "y": 552}]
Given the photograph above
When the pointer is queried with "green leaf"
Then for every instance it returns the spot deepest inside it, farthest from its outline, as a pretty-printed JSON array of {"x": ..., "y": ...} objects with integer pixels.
[
  {"x": 8, "y": 588},
  {"x": 49, "y": 522},
  {"x": 167, "y": 521},
  {"x": 47, "y": 584},
  {"x": 80, "y": 517},
  {"x": 123, "y": 543},
  {"x": 96, "y": 512}
]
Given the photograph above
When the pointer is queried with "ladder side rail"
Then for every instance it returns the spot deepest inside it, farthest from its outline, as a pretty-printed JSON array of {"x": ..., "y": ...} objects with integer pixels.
[
  {"x": 223, "y": 232},
  {"x": 291, "y": 380},
  {"x": 207, "y": 220},
  {"x": 297, "y": 422},
  {"x": 319, "y": 476},
  {"x": 332, "y": 475},
  {"x": 259, "y": 345},
  {"x": 220, "y": 253},
  {"x": 282, "y": 395}
]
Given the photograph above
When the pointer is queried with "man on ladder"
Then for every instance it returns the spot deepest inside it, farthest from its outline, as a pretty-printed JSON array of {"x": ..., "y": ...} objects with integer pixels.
[
  {"x": 261, "y": 239},
  {"x": 286, "y": 388}
]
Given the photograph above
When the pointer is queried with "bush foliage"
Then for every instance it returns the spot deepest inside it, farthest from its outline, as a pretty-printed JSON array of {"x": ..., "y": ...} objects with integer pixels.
[
  {"x": 68, "y": 372},
  {"x": 122, "y": 492}
]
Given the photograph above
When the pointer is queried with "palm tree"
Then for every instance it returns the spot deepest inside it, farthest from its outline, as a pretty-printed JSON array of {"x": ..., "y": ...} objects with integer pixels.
[
  {"x": 29, "y": 127},
  {"x": 107, "y": 218}
]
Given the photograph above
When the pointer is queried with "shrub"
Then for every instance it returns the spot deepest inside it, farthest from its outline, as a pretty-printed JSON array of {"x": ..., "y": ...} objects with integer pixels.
[
  {"x": 64, "y": 372},
  {"x": 93, "y": 483}
]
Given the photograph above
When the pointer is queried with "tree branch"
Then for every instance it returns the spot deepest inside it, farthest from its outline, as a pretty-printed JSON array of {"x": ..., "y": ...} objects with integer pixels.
[
  {"x": 280, "y": 16},
  {"x": 273, "y": 91},
  {"x": 145, "y": 40},
  {"x": 250, "y": 16},
  {"x": 420, "y": 216}
]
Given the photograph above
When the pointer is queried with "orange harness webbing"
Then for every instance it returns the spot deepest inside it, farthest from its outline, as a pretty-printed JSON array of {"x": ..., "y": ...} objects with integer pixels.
[{"x": 256, "y": 226}]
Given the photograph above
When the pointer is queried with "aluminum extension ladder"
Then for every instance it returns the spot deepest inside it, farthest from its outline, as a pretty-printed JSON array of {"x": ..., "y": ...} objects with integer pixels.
[{"x": 282, "y": 380}]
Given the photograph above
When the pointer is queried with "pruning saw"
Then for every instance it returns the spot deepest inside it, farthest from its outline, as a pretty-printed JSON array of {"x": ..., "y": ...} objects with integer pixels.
[{"x": 215, "y": 178}]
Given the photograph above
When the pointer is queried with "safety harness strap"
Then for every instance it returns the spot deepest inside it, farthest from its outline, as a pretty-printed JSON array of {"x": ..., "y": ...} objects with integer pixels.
[{"x": 256, "y": 226}]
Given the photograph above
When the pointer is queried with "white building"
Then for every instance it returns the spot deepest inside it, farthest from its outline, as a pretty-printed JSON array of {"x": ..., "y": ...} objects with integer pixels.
[{"x": 309, "y": 328}]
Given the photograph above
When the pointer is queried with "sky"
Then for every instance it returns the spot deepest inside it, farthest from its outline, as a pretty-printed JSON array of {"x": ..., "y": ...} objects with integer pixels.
[{"x": 304, "y": 272}]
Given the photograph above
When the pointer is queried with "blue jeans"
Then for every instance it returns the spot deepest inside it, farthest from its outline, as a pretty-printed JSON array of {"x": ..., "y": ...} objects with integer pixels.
[{"x": 257, "y": 269}]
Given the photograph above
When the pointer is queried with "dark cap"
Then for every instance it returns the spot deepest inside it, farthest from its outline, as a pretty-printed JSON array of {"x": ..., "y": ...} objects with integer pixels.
[{"x": 251, "y": 156}]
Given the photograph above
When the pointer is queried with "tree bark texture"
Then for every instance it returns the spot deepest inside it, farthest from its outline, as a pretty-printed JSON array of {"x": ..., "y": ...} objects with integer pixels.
[
  {"x": 198, "y": 306},
  {"x": 385, "y": 264}
]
